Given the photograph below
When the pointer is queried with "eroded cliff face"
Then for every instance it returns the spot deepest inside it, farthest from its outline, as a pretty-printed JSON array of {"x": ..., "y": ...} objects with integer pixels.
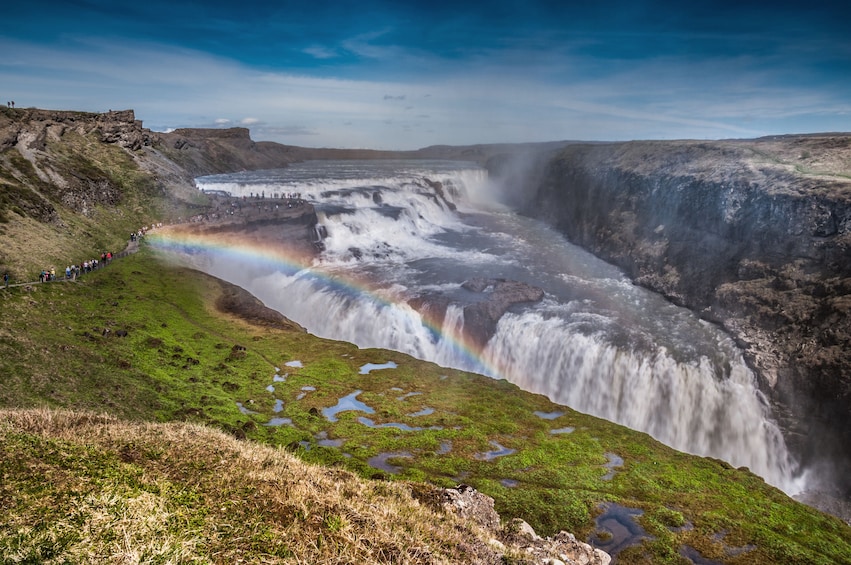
[
  {"x": 74, "y": 181},
  {"x": 754, "y": 235}
]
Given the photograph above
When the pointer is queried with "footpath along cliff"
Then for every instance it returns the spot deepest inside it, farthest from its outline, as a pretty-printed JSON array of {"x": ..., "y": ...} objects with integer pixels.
[{"x": 752, "y": 234}]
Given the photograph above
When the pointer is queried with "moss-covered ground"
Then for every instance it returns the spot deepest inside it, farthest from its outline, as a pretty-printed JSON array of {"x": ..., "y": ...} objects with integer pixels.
[{"x": 62, "y": 345}]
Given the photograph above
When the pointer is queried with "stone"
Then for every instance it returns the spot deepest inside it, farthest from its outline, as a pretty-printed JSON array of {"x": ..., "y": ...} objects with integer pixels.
[{"x": 481, "y": 318}]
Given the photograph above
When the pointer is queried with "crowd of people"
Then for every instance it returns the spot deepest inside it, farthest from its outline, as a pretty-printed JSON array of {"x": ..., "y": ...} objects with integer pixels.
[
  {"x": 227, "y": 207},
  {"x": 72, "y": 272}
]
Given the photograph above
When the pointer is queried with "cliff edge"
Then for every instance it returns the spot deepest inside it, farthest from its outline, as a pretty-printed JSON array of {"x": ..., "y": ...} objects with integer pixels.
[{"x": 752, "y": 234}]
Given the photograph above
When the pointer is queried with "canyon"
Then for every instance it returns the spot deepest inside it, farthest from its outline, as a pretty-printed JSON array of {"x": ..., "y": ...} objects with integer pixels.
[
  {"x": 753, "y": 235},
  {"x": 750, "y": 234}
]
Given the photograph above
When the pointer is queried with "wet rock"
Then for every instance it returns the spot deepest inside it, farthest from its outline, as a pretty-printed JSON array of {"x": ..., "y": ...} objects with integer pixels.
[
  {"x": 239, "y": 302},
  {"x": 495, "y": 297},
  {"x": 481, "y": 318},
  {"x": 432, "y": 307}
]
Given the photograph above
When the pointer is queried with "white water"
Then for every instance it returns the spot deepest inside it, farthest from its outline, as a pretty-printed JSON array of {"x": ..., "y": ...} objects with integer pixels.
[{"x": 596, "y": 343}]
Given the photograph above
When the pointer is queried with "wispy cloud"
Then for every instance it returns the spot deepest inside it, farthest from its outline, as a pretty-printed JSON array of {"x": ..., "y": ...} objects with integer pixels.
[
  {"x": 320, "y": 52},
  {"x": 419, "y": 77}
]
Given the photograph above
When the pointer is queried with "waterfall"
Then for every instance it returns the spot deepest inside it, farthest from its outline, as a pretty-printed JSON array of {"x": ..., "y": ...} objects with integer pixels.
[
  {"x": 685, "y": 406},
  {"x": 596, "y": 343}
]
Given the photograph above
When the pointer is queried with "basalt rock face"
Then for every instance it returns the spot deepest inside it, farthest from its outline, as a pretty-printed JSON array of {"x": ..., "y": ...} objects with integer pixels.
[
  {"x": 481, "y": 318},
  {"x": 35, "y": 127},
  {"x": 51, "y": 158},
  {"x": 488, "y": 301},
  {"x": 754, "y": 235}
]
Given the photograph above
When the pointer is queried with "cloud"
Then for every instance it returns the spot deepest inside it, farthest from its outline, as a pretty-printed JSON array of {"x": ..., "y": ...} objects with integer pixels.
[
  {"x": 320, "y": 52},
  {"x": 287, "y": 131},
  {"x": 497, "y": 99}
]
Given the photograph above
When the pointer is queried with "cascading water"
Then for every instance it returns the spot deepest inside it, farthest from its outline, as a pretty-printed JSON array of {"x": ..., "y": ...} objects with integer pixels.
[{"x": 596, "y": 342}]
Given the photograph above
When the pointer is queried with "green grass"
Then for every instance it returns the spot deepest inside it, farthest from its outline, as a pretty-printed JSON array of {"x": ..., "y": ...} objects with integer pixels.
[
  {"x": 102, "y": 196},
  {"x": 179, "y": 362}
]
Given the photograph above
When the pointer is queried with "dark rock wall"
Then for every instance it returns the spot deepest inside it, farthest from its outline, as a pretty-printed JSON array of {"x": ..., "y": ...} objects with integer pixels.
[{"x": 737, "y": 234}]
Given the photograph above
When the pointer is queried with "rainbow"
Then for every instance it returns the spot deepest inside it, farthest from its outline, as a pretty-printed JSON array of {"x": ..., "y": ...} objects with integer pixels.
[{"x": 175, "y": 244}]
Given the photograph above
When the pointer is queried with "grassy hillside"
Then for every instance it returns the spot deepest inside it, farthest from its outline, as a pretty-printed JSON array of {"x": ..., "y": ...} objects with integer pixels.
[
  {"x": 66, "y": 195},
  {"x": 149, "y": 413},
  {"x": 108, "y": 491},
  {"x": 184, "y": 360}
]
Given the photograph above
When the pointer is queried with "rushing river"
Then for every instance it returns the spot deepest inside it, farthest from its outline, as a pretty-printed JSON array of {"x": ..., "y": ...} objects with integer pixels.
[{"x": 596, "y": 342}]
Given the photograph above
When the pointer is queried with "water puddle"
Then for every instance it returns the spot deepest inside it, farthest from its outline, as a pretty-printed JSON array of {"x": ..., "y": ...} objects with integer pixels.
[
  {"x": 331, "y": 442},
  {"x": 305, "y": 390},
  {"x": 687, "y": 527},
  {"x": 280, "y": 378},
  {"x": 349, "y": 402},
  {"x": 614, "y": 462},
  {"x": 322, "y": 440},
  {"x": 275, "y": 422},
  {"x": 695, "y": 557},
  {"x": 619, "y": 528},
  {"x": 423, "y": 412},
  {"x": 499, "y": 451},
  {"x": 732, "y": 551},
  {"x": 565, "y": 430},
  {"x": 296, "y": 364},
  {"x": 407, "y": 395},
  {"x": 398, "y": 425},
  {"x": 244, "y": 410},
  {"x": 510, "y": 483},
  {"x": 270, "y": 388},
  {"x": 380, "y": 461},
  {"x": 365, "y": 369},
  {"x": 445, "y": 447},
  {"x": 279, "y": 405},
  {"x": 548, "y": 415}
]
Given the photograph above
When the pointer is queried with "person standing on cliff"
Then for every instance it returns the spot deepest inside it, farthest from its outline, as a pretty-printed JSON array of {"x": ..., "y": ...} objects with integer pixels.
[{"x": 6, "y": 280}]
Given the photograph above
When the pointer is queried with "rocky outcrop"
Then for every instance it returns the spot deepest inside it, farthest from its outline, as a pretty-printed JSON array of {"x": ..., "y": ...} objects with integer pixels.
[
  {"x": 754, "y": 235},
  {"x": 491, "y": 298},
  {"x": 36, "y": 127},
  {"x": 481, "y": 318},
  {"x": 517, "y": 535}
]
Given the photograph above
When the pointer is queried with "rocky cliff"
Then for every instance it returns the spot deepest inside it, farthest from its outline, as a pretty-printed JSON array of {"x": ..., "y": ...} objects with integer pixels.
[
  {"x": 754, "y": 235},
  {"x": 73, "y": 182}
]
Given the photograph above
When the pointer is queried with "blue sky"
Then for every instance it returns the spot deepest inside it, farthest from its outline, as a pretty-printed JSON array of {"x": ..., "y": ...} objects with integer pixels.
[{"x": 403, "y": 75}]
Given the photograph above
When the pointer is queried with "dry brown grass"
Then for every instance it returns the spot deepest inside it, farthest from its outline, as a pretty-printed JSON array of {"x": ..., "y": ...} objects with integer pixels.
[{"x": 179, "y": 493}]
